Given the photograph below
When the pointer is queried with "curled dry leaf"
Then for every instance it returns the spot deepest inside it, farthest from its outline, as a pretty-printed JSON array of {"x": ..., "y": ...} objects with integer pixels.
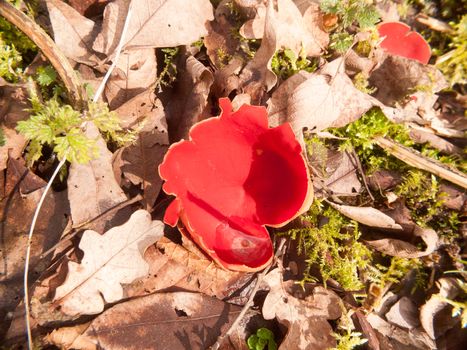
[
  {"x": 284, "y": 28},
  {"x": 436, "y": 314},
  {"x": 92, "y": 188},
  {"x": 404, "y": 313},
  {"x": 190, "y": 99},
  {"x": 111, "y": 259},
  {"x": 324, "y": 99},
  {"x": 171, "y": 265},
  {"x": 395, "y": 336},
  {"x": 154, "y": 23},
  {"x": 402, "y": 249},
  {"x": 397, "y": 77},
  {"x": 73, "y": 33},
  {"x": 368, "y": 216},
  {"x": 233, "y": 177},
  {"x": 305, "y": 318},
  {"x": 163, "y": 320}
]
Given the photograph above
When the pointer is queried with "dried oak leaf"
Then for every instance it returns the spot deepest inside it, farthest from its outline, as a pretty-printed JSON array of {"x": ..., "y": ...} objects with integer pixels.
[
  {"x": 154, "y": 23},
  {"x": 111, "y": 259},
  {"x": 233, "y": 177},
  {"x": 305, "y": 318}
]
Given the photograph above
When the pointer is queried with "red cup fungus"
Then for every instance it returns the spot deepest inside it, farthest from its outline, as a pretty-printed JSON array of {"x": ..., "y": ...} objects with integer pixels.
[
  {"x": 231, "y": 178},
  {"x": 400, "y": 41}
]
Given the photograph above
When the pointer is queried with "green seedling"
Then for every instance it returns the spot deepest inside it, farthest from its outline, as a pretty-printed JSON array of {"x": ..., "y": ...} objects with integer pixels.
[{"x": 263, "y": 339}]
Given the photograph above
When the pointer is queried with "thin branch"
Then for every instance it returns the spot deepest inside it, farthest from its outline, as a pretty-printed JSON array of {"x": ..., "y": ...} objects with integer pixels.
[
  {"x": 58, "y": 60},
  {"x": 249, "y": 303},
  {"x": 415, "y": 159}
]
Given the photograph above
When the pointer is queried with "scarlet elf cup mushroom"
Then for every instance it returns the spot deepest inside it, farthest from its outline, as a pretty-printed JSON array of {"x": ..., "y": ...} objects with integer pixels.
[
  {"x": 233, "y": 177},
  {"x": 400, "y": 41}
]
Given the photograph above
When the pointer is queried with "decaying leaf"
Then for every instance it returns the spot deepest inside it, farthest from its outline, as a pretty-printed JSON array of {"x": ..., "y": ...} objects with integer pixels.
[
  {"x": 411, "y": 339},
  {"x": 404, "y": 313},
  {"x": 325, "y": 99},
  {"x": 92, "y": 188},
  {"x": 136, "y": 71},
  {"x": 74, "y": 34},
  {"x": 171, "y": 265},
  {"x": 154, "y": 23},
  {"x": 397, "y": 77},
  {"x": 368, "y": 216},
  {"x": 403, "y": 249},
  {"x": 190, "y": 99},
  {"x": 284, "y": 28},
  {"x": 163, "y": 320},
  {"x": 436, "y": 314},
  {"x": 21, "y": 191},
  {"x": 109, "y": 260},
  {"x": 306, "y": 317}
]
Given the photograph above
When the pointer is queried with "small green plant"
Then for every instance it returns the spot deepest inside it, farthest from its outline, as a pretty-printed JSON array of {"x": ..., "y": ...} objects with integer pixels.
[
  {"x": 60, "y": 127},
  {"x": 168, "y": 74},
  {"x": 346, "y": 336},
  {"x": 10, "y": 62},
  {"x": 2, "y": 138},
  {"x": 285, "y": 64},
  {"x": 262, "y": 339},
  {"x": 454, "y": 63},
  {"x": 331, "y": 242},
  {"x": 349, "y": 12}
]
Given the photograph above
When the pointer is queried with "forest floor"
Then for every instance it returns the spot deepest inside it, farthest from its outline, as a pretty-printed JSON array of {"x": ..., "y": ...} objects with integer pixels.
[{"x": 147, "y": 202}]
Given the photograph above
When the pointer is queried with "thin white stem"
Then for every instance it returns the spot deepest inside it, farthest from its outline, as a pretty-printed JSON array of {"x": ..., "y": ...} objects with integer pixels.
[
  {"x": 117, "y": 56},
  {"x": 54, "y": 175},
  {"x": 28, "y": 249}
]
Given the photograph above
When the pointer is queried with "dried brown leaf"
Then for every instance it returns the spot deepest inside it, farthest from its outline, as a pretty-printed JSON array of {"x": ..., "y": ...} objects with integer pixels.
[
  {"x": 284, "y": 28},
  {"x": 154, "y": 23},
  {"x": 189, "y": 99},
  {"x": 368, "y": 216},
  {"x": 411, "y": 339},
  {"x": 306, "y": 318},
  {"x": 436, "y": 314},
  {"x": 74, "y": 34},
  {"x": 171, "y": 265},
  {"x": 404, "y": 313},
  {"x": 92, "y": 188},
  {"x": 136, "y": 71},
  {"x": 16, "y": 212},
  {"x": 163, "y": 320},
  {"x": 403, "y": 249},
  {"x": 111, "y": 259}
]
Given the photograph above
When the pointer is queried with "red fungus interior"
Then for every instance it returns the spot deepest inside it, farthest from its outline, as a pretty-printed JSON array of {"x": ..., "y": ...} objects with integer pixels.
[
  {"x": 234, "y": 176},
  {"x": 399, "y": 40}
]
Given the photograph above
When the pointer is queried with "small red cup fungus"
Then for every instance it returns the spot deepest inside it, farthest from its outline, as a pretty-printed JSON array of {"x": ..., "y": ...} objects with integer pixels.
[
  {"x": 231, "y": 178},
  {"x": 399, "y": 40}
]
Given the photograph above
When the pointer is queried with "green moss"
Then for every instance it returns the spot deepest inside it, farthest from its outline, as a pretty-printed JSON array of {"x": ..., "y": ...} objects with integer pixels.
[
  {"x": 330, "y": 242},
  {"x": 168, "y": 74},
  {"x": 285, "y": 64}
]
